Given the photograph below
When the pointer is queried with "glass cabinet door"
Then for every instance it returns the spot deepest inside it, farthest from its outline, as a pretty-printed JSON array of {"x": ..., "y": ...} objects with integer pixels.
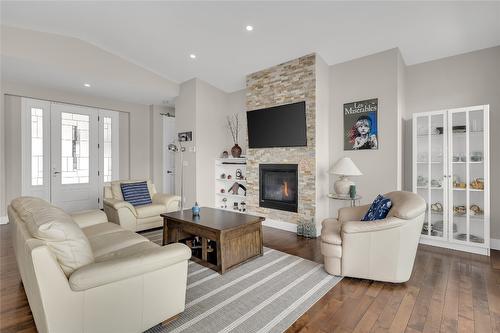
[
  {"x": 430, "y": 181},
  {"x": 438, "y": 184},
  {"x": 467, "y": 169},
  {"x": 422, "y": 156}
]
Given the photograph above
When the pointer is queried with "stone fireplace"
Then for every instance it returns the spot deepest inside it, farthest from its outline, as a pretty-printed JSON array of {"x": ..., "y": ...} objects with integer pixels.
[
  {"x": 278, "y": 186},
  {"x": 287, "y": 83}
]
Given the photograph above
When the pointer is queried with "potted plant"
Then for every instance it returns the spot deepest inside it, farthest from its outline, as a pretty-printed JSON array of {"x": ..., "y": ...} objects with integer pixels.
[{"x": 233, "y": 125}]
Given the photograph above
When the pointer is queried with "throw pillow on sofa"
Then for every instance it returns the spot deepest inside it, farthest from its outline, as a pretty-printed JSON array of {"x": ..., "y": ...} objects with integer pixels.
[
  {"x": 58, "y": 230},
  {"x": 136, "y": 194},
  {"x": 379, "y": 209}
]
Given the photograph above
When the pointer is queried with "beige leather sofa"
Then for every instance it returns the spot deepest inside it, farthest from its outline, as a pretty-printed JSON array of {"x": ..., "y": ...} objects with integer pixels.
[
  {"x": 82, "y": 274},
  {"x": 139, "y": 217},
  {"x": 382, "y": 250}
]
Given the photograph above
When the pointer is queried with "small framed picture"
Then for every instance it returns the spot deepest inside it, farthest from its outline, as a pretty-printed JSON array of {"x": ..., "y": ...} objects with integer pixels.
[{"x": 185, "y": 136}]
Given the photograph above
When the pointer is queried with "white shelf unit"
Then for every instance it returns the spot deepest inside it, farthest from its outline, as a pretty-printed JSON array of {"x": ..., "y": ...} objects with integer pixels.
[
  {"x": 229, "y": 166},
  {"x": 450, "y": 148}
]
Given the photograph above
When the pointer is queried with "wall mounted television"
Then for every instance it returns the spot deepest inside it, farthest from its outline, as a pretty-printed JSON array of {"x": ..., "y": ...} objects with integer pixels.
[{"x": 278, "y": 126}]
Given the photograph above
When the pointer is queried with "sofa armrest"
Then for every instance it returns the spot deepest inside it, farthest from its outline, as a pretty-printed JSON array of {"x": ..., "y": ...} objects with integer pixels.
[
  {"x": 172, "y": 202},
  {"x": 102, "y": 273},
  {"x": 353, "y": 227},
  {"x": 352, "y": 213},
  {"x": 88, "y": 218},
  {"x": 118, "y": 204}
]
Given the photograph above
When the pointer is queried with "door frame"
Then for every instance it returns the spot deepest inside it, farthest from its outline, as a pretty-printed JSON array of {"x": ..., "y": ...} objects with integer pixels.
[{"x": 166, "y": 154}]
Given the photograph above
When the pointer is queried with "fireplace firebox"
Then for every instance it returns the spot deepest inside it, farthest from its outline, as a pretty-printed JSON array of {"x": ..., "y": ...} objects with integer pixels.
[{"x": 278, "y": 186}]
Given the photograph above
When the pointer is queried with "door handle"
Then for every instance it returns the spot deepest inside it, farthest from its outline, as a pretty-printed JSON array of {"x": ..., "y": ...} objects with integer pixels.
[
  {"x": 56, "y": 172},
  {"x": 170, "y": 172}
]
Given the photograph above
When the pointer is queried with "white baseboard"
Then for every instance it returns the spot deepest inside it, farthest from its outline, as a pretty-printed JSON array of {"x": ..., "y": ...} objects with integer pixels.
[
  {"x": 280, "y": 225},
  {"x": 4, "y": 220},
  {"x": 494, "y": 244}
]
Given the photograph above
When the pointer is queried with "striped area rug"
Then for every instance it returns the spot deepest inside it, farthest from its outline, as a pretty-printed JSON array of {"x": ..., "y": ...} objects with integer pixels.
[{"x": 267, "y": 294}]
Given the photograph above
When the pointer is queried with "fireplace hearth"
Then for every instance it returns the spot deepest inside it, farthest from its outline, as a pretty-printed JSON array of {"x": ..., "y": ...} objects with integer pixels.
[{"x": 278, "y": 186}]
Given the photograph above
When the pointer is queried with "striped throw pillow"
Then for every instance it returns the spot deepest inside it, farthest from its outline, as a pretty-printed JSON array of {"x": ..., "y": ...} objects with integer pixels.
[{"x": 136, "y": 193}]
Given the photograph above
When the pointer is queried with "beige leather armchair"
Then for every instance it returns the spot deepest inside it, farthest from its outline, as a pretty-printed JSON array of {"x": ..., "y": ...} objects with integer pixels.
[
  {"x": 382, "y": 250},
  {"x": 139, "y": 217}
]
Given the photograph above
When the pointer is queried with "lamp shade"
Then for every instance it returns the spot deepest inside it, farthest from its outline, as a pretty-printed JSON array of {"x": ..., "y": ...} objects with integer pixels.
[{"x": 346, "y": 167}]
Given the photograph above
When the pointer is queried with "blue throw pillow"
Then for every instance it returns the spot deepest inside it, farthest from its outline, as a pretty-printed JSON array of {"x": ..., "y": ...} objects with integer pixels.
[
  {"x": 379, "y": 209},
  {"x": 136, "y": 193}
]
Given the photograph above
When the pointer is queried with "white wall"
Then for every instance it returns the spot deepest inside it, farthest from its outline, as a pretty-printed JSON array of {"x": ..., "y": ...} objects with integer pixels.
[
  {"x": 464, "y": 80},
  {"x": 374, "y": 76},
  {"x": 3, "y": 218},
  {"x": 134, "y": 129}
]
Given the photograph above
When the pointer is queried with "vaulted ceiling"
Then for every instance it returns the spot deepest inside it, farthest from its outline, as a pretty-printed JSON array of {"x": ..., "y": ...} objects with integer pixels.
[{"x": 158, "y": 37}]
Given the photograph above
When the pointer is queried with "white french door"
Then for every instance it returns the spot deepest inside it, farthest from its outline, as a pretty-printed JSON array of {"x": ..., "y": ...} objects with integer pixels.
[
  {"x": 74, "y": 157},
  {"x": 68, "y": 153}
]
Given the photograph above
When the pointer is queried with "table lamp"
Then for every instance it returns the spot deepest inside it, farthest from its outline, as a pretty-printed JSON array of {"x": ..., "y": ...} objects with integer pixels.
[{"x": 344, "y": 167}]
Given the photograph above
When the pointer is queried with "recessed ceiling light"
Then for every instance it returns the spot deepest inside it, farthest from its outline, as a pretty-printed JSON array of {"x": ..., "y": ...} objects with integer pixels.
[
  {"x": 249, "y": 28},
  {"x": 192, "y": 56},
  {"x": 87, "y": 85}
]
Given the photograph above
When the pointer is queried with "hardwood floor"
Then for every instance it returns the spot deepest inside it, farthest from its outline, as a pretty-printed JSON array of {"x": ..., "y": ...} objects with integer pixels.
[{"x": 449, "y": 291}]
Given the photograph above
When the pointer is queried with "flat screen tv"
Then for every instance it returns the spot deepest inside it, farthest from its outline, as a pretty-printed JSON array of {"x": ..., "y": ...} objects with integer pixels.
[{"x": 279, "y": 126}]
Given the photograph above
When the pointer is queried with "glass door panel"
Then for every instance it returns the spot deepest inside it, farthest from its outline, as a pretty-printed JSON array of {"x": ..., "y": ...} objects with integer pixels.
[
  {"x": 422, "y": 182},
  {"x": 476, "y": 202},
  {"x": 437, "y": 181},
  {"x": 75, "y": 152},
  {"x": 459, "y": 174}
]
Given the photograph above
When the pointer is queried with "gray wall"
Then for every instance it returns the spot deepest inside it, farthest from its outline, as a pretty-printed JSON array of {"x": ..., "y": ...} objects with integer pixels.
[
  {"x": 202, "y": 108},
  {"x": 459, "y": 81},
  {"x": 374, "y": 76}
]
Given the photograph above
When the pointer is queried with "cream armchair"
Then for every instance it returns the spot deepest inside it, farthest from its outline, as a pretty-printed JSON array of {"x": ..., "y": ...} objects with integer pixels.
[
  {"x": 139, "y": 217},
  {"x": 382, "y": 250}
]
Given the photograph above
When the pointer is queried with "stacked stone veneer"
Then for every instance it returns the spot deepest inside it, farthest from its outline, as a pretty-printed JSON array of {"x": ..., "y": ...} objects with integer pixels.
[{"x": 290, "y": 82}]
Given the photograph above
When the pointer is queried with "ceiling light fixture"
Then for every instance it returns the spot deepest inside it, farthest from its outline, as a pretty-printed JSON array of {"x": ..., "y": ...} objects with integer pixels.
[
  {"x": 87, "y": 85},
  {"x": 192, "y": 56},
  {"x": 249, "y": 28}
]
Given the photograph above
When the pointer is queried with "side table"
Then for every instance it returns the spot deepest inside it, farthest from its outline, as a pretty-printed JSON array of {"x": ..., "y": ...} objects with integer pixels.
[{"x": 335, "y": 196}]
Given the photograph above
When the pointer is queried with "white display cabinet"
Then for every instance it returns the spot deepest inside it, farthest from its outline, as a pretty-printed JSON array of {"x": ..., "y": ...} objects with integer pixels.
[
  {"x": 227, "y": 171},
  {"x": 451, "y": 172}
]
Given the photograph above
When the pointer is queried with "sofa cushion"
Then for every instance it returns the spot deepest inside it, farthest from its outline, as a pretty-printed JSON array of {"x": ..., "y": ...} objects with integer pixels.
[
  {"x": 110, "y": 242},
  {"x": 116, "y": 189},
  {"x": 127, "y": 251},
  {"x": 406, "y": 205},
  {"x": 58, "y": 230},
  {"x": 379, "y": 209},
  {"x": 136, "y": 193},
  {"x": 150, "y": 210},
  {"x": 101, "y": 229}
]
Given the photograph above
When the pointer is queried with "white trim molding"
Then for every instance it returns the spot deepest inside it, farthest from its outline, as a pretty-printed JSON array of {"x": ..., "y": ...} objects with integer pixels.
[
  {"x": 495, "y": 244},
  {"x": 4, "y": 220},
  {"x": 287, "y": 226}
]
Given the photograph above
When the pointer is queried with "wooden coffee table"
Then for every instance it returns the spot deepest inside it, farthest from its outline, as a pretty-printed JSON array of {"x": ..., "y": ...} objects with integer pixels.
[{"x": 238, "y": 237}]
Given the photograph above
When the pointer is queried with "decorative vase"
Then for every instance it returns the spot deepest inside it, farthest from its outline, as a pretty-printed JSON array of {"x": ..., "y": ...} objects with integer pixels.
[
  {"x": 352, "y": 191},
  {"x": 196, "y": 209},
  {"x": 236, "y": 151}
]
